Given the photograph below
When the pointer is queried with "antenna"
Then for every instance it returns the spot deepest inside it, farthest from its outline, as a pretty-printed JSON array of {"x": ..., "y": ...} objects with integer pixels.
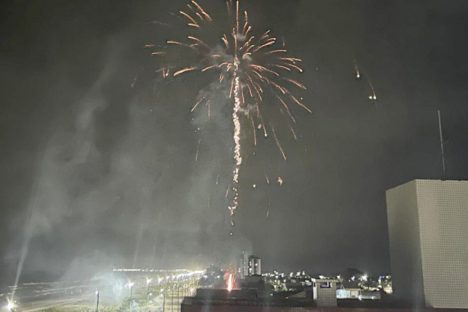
[{"x": 441, "y": 137}]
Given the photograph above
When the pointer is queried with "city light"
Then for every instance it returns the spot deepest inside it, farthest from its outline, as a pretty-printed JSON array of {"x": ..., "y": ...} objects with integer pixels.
[{"x": 10, "y": 306}]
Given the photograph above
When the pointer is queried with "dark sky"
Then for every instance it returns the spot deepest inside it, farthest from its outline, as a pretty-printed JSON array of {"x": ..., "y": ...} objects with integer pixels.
[{"x": 97, "y": 154}]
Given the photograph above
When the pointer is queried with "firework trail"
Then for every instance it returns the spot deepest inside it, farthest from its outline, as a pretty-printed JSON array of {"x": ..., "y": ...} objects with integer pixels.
[
  {"x": 237, "y": 149},
  {"x": 372, "y": 95},
  {"x": 358, "y": 74},
  {"x": 198, "y": 150},
  {"x": 256, "y": 67}
]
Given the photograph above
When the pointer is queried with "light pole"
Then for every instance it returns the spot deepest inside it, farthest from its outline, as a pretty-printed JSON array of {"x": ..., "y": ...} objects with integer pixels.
[
  {"x": 97, "y": 300},
  {"x": 148, "y": 282},
  {"x": 130, "y": 286}
]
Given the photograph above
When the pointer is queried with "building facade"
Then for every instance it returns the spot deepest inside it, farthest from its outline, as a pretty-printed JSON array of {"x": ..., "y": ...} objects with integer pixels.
[
  {"x": 324, "y": 292},
  {"x": 428, "y": 235},
  {"x": 254, "y": 266}
]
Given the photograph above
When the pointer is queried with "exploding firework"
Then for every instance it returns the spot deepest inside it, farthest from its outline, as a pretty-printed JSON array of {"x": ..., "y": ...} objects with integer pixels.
[{"x": 253, "y": 66}]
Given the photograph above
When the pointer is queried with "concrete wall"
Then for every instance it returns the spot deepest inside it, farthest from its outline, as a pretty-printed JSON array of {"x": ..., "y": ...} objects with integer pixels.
[
  {"x": 428, "y": 231},
  {"x": 325, "y": 296},
  {"x": 443, "y": 220},
  {"x": 405, "y": 251}
]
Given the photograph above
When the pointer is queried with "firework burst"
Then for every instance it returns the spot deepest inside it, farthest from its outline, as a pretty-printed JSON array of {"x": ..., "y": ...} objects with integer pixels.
[{"x": 252, "y": 65}]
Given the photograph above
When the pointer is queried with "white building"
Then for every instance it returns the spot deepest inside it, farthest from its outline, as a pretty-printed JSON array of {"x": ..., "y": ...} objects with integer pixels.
[
  {"x": 357, "y": 293},
  {"x": 428, "y": 233}
]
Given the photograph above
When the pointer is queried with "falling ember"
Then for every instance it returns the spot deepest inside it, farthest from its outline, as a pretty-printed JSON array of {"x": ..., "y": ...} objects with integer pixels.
[
  {"x": 293, "y": 132},
  {"x": 372, "y": 96},
  {"x": 254, "y": 132},
  {"x": 278, "y": 144},
  {"x": 196, "y": 104},
  {"x": 356, "y": 71},
  {"x": 184, "y": 70},
  {"x": 198, "y": 150}
]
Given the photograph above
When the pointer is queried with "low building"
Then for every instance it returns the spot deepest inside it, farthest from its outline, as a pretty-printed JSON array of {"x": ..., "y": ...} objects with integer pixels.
[
  {"x": 244, "y": 300},
  {"x": 247, "y": 300},
  {"x": 324, "y": 292},
  {"x": 357, "y": 293}
]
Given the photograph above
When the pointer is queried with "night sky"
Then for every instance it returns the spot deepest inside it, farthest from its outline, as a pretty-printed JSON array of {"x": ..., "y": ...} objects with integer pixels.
[{"x": 97, "y": 162}]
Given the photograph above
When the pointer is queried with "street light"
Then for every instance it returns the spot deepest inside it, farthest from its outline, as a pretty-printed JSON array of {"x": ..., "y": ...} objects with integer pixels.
[
  {"x": 148, "y": 282},
  {"x": 130, "y": 286},
  {"x": 10, "y": 306},
  {"x": 97, "y": 300}
]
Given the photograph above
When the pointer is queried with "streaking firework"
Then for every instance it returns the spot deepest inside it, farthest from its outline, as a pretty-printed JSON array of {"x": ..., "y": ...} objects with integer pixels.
[
  {"x": 358, "y": 74},
  {"x": 253, "y": 66}
]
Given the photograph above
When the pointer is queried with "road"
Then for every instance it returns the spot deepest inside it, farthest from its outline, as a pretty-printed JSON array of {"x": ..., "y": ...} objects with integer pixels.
[{"x": 114, "y": 290}]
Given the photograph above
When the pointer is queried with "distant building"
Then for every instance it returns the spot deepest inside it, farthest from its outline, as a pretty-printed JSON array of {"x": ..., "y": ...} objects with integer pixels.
[
  {"x": 428, "y": 233},
  {"x": 243, "y": 269},
  {"x": 357, "y": 293},
  {"x": 254, "y": 266},
  {"x": 249, "y": 265}
]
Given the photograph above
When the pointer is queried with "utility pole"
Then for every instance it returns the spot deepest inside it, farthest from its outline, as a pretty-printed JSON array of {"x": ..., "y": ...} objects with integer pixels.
[{"x": 442, "y": 151}]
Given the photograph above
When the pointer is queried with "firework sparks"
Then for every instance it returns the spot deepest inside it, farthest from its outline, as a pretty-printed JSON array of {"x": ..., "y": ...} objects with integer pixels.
[
  {"x": 278, "y": 144},
  {"x": 230, "y": 281},
  {"x": 372, "y": 96},
  {"x": 198, "y": 150},
  {"x": 357, "y": 72},
  {"x": 252, "y": 65},
  {"x": 237, "y": 148},
  {"x": 184, "y": 70}
]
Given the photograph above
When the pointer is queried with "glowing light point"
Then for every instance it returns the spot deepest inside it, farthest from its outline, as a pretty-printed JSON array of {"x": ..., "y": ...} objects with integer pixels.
[{"x": 10, "y": 306}]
